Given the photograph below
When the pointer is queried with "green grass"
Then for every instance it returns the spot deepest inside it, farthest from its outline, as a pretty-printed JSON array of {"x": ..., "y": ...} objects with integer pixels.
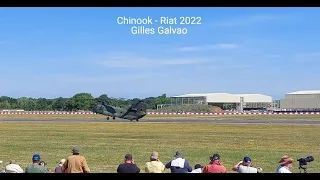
[
  {"x": 105, "y": 144},
  {"x": 216, "y": 117},
  {"x": 247, "y": 117}
]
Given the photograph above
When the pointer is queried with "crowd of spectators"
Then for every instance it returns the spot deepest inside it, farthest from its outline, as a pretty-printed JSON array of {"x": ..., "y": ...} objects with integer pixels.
[{"x": 77, "y": 163}]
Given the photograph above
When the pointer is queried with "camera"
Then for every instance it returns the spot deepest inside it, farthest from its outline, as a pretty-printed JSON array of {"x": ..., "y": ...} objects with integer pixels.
[{"x": 304, "y": 161}]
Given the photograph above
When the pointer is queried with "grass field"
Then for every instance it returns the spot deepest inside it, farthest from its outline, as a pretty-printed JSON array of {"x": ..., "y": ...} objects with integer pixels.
[
  {"x": 105, "y": 144},
  {"x": 247, "y": 117},
  {"x": 217, "y": 117}
]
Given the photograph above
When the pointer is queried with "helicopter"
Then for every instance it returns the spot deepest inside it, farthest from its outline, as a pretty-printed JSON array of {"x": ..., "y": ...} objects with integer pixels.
[{"x": 135, "y": 112}]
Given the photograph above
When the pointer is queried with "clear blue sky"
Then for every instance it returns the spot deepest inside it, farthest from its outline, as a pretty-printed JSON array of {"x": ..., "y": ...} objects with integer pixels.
[{"x": 52, "y": 52}]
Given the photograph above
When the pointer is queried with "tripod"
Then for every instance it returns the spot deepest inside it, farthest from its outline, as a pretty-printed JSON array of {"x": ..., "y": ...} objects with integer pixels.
[{"x": 304, "y": 168}]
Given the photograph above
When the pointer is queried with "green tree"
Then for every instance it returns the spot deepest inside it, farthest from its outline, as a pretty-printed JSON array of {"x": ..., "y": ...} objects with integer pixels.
[
  {"x": 59, "y": 104},
  {"x": 24, "y": 103},
  {"x": 5, "y": 105},
  {"x": 80, "y": 101},
  {"x": 103, "y": 97},
  {"x": 42, "y": 104}
]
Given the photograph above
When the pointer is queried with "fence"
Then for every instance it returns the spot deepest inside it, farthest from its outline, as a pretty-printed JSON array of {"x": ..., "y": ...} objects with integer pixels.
[{"x": 155, "y": 113}]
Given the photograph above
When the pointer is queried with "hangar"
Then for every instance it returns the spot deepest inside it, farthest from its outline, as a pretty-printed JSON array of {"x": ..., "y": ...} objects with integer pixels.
[
  {"x": 226, "y": 101},
  {"x": 301, "y": 100}
]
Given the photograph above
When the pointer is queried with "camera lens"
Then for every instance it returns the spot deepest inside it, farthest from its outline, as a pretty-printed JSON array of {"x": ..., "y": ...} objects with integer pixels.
[{"x": 310, "y": 158}]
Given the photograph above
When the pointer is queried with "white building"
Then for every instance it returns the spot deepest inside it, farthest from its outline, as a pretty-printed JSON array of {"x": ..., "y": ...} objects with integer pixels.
[
  {"x": 304, "y": 100},
  {"x": 226, "y": 100}
]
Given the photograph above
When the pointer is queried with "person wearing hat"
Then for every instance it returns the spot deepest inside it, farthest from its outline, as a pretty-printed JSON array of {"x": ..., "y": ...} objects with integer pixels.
[
  {"x": 245, "y": 166},
  {"x": 215, "y": 165},
  {"x": 128, "y": 166},
  {"x": 75, "y": 163},
  {"x": 35, "y": 167},
  {"x": 58, "y": 168},
  {"x": 197, "y": 169},
  {"x": 179, "y": 164},
  {"x": 155, "y": 165},
  {"x": 285, "y": 164},
  {"x": 13, "y": 167}
]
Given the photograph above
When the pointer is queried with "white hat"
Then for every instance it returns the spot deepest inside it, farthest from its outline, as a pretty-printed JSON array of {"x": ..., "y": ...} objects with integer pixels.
[{"x": 62, "y": 162}]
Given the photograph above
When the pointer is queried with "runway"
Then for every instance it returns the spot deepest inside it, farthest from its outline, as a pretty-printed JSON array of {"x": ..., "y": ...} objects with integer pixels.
[{"x": 164, "y": 121}]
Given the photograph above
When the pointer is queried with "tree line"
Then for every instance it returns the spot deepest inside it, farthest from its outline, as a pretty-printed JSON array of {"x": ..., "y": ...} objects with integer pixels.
[{"x": 80, "y": 101}]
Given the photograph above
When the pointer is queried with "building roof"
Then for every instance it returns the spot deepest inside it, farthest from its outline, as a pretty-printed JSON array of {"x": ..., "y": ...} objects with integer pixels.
[
  {"x": 208, "y": 94},
  {"x": 306, "y": 92},
  {"x": 197, "y": 95},
  {"x": 228, "y": 97}
]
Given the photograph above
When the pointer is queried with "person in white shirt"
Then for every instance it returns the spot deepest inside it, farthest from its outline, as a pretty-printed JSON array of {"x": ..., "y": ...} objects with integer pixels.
[
  {"x": 12, "y": 167},
  {"x": 197, "y": 169},
  {"x": 285, "y": 164},
  {"x": 245, "y": 166}
]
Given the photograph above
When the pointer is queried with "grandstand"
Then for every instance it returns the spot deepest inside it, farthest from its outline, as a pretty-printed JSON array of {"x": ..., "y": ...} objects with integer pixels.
[{"x": 226, "y": 101}]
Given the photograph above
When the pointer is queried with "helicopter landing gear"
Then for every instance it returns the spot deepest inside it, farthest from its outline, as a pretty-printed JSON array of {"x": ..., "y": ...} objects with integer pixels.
[
  {"x": 108, "y": 118},
  {"x": 137, "y": 119},
  {"x": 113, "y": 118}
]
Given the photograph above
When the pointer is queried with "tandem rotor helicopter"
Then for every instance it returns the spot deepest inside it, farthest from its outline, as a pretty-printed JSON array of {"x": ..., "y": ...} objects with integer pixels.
[{"x": 135, "y": 112}]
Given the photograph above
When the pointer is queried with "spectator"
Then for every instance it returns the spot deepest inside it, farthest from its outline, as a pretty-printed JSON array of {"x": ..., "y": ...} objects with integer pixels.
[
  {"x": 12, "y": 167},
  {"x": 285, "y": 164},
  {"x": 128, "y": 166},
  {"x": 1, "y": 168},
  {"x": 75, "y": 163},
  {"x": 44, "y": 164},
  {"x": 245, "y": 166},
  {"x": 197, "y": 169},
  {"x": 35, "y": 167},
  {"x": 155, "y": 165},
  {"x": 58, "y": 168},
  {"x": 215, "y": 165},
  {"x": 179, "y": 164}
]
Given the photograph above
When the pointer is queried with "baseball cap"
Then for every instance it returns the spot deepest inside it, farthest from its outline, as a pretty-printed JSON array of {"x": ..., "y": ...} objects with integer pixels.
[
  {"x": 179, "y": 154},
  {"x": 215, "y": 157},
  {"x": 246, "y": 159},
  {"x": 198, "y": 166},
  {"x": 75, "y": 150},
  {"x": 36, "y": 157},
  {"x": 62, "y": 161}
]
